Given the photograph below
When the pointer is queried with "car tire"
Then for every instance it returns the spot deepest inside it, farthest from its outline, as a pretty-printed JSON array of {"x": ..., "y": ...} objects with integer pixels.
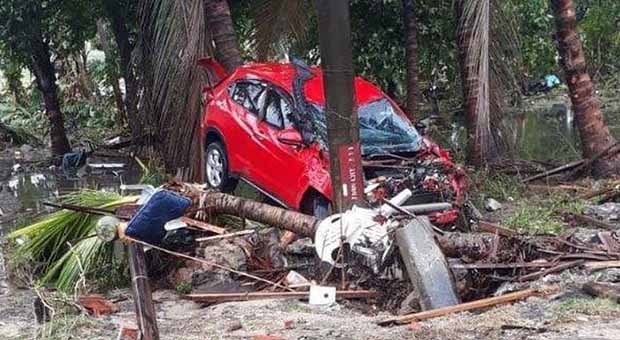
[{"x": 217, "y": 176}]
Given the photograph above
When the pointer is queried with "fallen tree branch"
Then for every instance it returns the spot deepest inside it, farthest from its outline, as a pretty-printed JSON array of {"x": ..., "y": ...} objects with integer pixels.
[
  {"x": 555, "y": 171},
  {"x": 484, "y": 303}
]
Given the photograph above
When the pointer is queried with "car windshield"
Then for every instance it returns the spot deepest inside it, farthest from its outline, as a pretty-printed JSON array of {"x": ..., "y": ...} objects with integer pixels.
[{"x": 382, "y": 129}]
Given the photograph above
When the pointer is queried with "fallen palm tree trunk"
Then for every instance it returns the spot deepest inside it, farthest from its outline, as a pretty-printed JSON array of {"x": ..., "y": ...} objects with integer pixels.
[{"x": 219, "y": 203}]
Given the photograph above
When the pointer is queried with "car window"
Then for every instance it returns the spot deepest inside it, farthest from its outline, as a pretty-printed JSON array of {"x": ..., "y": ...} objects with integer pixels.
[
  {"x": 248, "y": 95},
  {"x": 278, "y": 110}
]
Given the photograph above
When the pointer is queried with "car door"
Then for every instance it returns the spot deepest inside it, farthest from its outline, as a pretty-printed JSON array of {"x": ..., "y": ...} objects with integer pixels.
[
  {"x": 248, "y": 97},
  {"x": 283, "y": 169}
]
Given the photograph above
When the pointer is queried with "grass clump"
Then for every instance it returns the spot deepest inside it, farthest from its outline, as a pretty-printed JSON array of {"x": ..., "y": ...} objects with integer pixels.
[
  {"x": 584, "y": 305},
  {"x": 497, "y": 186},
  {"x": 542, "y": 216}
]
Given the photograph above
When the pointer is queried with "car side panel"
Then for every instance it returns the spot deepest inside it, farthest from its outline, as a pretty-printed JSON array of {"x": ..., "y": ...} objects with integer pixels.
[{"x": 223, "y": 114}]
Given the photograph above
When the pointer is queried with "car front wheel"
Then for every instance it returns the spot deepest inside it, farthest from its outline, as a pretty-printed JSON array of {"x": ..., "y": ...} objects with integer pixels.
[{"x": 216, "y": 162}]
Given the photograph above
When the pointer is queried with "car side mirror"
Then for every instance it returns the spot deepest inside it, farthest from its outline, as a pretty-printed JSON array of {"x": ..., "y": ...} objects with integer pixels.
[{"x": 290, "y": 137}]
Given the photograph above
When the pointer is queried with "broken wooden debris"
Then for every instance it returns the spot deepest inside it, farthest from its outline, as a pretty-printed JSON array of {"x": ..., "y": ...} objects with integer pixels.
[
  {"x": 555, "y": 269},
  {"x": 203, "y": 226},
  {"x": 555, "y": 171},
  {"x": 209, "y": 263},
  {"x": 495, "y": 229},
  {"x": 587, "y": 220},
  {"x": 224, "y": 236},
  {"x": 97, "y": 305},
  {"x": 468, "y": 306},
  {"x": 227, "y": 297},
  {"x": 599, "y": 265},
  {"x": 141, "y": 289}
]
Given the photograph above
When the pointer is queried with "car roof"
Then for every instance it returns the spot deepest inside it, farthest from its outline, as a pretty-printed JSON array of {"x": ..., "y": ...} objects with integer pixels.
[{"x": 283, "y": 75}]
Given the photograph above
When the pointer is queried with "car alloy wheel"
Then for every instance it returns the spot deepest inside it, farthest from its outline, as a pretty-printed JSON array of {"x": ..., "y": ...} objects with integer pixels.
[{"x": 215, "y": 168}]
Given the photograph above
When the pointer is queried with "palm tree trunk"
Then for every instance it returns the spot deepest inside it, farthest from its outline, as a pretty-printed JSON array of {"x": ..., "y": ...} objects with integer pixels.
[
  {"x": 219, "y": 22},
  {"x": 595, "y": 135},
  {"x": 45, "y": 75},
  {"x": 473, "y": 46},
  {"x": 121, "y": 115},
  {"x": 411, "y": 47},
  {"x": 125, "y": 48}
]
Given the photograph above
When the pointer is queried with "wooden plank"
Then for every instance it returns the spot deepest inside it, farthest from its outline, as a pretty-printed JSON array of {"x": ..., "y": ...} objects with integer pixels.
[
  {"x": 141, "y": 289},
  {"x": 203, "y": 225},
  {"x": 479, "y": 304},
  {"x": 225, "y": 297},
  {"x": 495, "y": 229},
  {"x": 598, "y": 265},
  {"x": 223, "y": 236},
  {"x": 502, "y": 265}
]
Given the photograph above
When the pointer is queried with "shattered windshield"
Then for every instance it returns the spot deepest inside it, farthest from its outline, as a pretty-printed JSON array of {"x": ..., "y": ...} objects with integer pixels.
[{"x": 382, "y": 129}]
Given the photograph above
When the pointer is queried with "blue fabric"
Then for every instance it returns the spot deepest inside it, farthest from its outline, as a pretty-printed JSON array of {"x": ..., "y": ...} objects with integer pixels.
[
  {"x": 148, "y": 224},
  {"x": 72, "y": 161},
  {"x": 551, "y": 81}
]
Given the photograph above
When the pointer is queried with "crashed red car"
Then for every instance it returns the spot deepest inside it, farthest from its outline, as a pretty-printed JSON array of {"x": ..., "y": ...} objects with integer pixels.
[{"x": 264, "y": 124}]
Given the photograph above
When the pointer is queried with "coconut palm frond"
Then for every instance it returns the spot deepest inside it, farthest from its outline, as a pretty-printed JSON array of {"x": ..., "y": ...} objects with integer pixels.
[
  {"x": 47, "y": 241},
  {"x": 175, "y": 37},
  {"x": 276, "y": 20},
  {"x": 83, "y": 258}
]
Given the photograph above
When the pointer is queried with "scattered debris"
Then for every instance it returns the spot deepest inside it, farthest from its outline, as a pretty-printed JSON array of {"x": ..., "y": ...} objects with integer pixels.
[
  {"x": 479, "y": 304},
  {"x": 97, "y": 305},
  {"x": 492, "y": 205},
  {"x": 608, "y": 211}
]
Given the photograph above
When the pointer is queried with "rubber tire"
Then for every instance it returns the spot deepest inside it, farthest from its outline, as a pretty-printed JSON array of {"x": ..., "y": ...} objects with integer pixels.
[{"x": 228, "y": 183}]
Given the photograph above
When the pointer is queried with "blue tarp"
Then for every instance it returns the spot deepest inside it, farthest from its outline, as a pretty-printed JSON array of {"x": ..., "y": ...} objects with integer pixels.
[{"x": 148, "y": 224}]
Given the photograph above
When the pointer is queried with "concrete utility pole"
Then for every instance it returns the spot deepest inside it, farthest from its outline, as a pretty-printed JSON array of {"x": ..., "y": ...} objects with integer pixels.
[{"x": 342, "y": 120}]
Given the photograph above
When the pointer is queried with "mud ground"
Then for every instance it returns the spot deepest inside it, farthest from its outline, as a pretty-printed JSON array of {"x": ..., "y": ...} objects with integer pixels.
[{"x": 568, "y": 314}]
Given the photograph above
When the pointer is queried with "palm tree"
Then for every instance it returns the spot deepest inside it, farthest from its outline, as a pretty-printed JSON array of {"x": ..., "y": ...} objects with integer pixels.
[
  {"x": 595, "y": 135},
  {"x": 174, "y": 35},
  {"x": 411, "y": 46},
  {"x": 473, "y": 45},
  {"x": 219, "y": 22}
]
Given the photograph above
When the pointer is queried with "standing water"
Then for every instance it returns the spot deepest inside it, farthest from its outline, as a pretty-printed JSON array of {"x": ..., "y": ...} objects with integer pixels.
[{"x": 25, "y": 183}]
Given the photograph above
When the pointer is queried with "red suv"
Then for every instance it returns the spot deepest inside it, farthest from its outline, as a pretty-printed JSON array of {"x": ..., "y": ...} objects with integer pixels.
[{"x": 265, "y": 124}]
